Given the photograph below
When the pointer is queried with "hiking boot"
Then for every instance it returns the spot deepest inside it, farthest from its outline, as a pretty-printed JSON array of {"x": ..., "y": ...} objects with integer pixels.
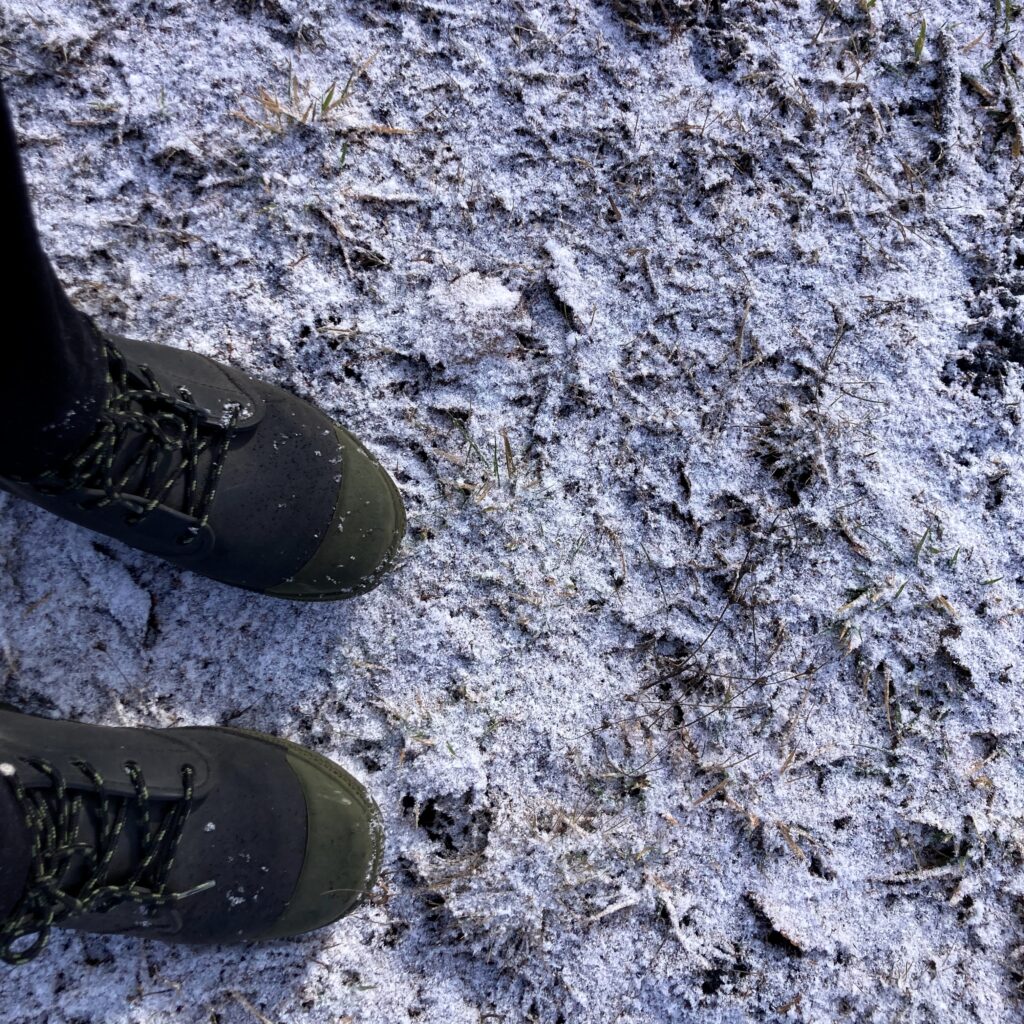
[
  {"x": 226, "y": 476},
  {"x": 194, "y": 835}
]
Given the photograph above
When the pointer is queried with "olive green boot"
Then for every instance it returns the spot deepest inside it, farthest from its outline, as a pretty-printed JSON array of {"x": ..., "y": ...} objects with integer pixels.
[
  {"x": 228, "y": 476},
  {"x": 195, "y": 835}
]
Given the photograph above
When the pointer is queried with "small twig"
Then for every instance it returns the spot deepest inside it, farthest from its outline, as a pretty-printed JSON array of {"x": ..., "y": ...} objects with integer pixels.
[
  {"x": 631, "y": 900},
  {"x": 246, "y": 1005}
]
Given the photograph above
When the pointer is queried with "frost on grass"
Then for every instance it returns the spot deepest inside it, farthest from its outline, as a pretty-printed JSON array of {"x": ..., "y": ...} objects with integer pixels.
[{"x": 692, "y": 333}]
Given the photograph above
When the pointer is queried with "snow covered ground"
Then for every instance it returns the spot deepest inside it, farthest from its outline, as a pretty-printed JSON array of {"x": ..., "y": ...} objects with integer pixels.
[{"x": 692, "y": 332}]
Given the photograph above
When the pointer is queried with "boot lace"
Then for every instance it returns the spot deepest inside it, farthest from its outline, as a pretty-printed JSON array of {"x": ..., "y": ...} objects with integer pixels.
[
  {"x": 175, "y": 434},
  {"x": 53, "y": 819}
]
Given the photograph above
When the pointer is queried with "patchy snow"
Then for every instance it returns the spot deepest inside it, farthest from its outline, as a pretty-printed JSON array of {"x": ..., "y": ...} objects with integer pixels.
[
  {"x": 693, "y": 335},
  {"x": 475, "y": 293}
]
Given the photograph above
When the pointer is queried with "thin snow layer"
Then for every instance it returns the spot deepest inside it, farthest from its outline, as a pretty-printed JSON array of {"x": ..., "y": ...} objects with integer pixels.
[{"x": 692, "y": 333}]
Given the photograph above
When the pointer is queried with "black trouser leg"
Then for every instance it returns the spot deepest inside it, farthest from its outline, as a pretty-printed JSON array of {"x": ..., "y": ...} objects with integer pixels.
[
  {"x": 15, "y": 850},
  {"x": 52, "y": 365}
]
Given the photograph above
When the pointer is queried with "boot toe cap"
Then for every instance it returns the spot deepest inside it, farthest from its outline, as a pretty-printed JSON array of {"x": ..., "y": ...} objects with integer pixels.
[
  {"x": 363, "y": 538},
  {"x": 344, "y": 845}
]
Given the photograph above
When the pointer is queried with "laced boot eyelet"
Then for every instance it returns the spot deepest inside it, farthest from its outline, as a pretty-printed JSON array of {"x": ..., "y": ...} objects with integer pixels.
[
  {"x": 52, "y": 819},
  {"x": 170, "y": 439}
]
